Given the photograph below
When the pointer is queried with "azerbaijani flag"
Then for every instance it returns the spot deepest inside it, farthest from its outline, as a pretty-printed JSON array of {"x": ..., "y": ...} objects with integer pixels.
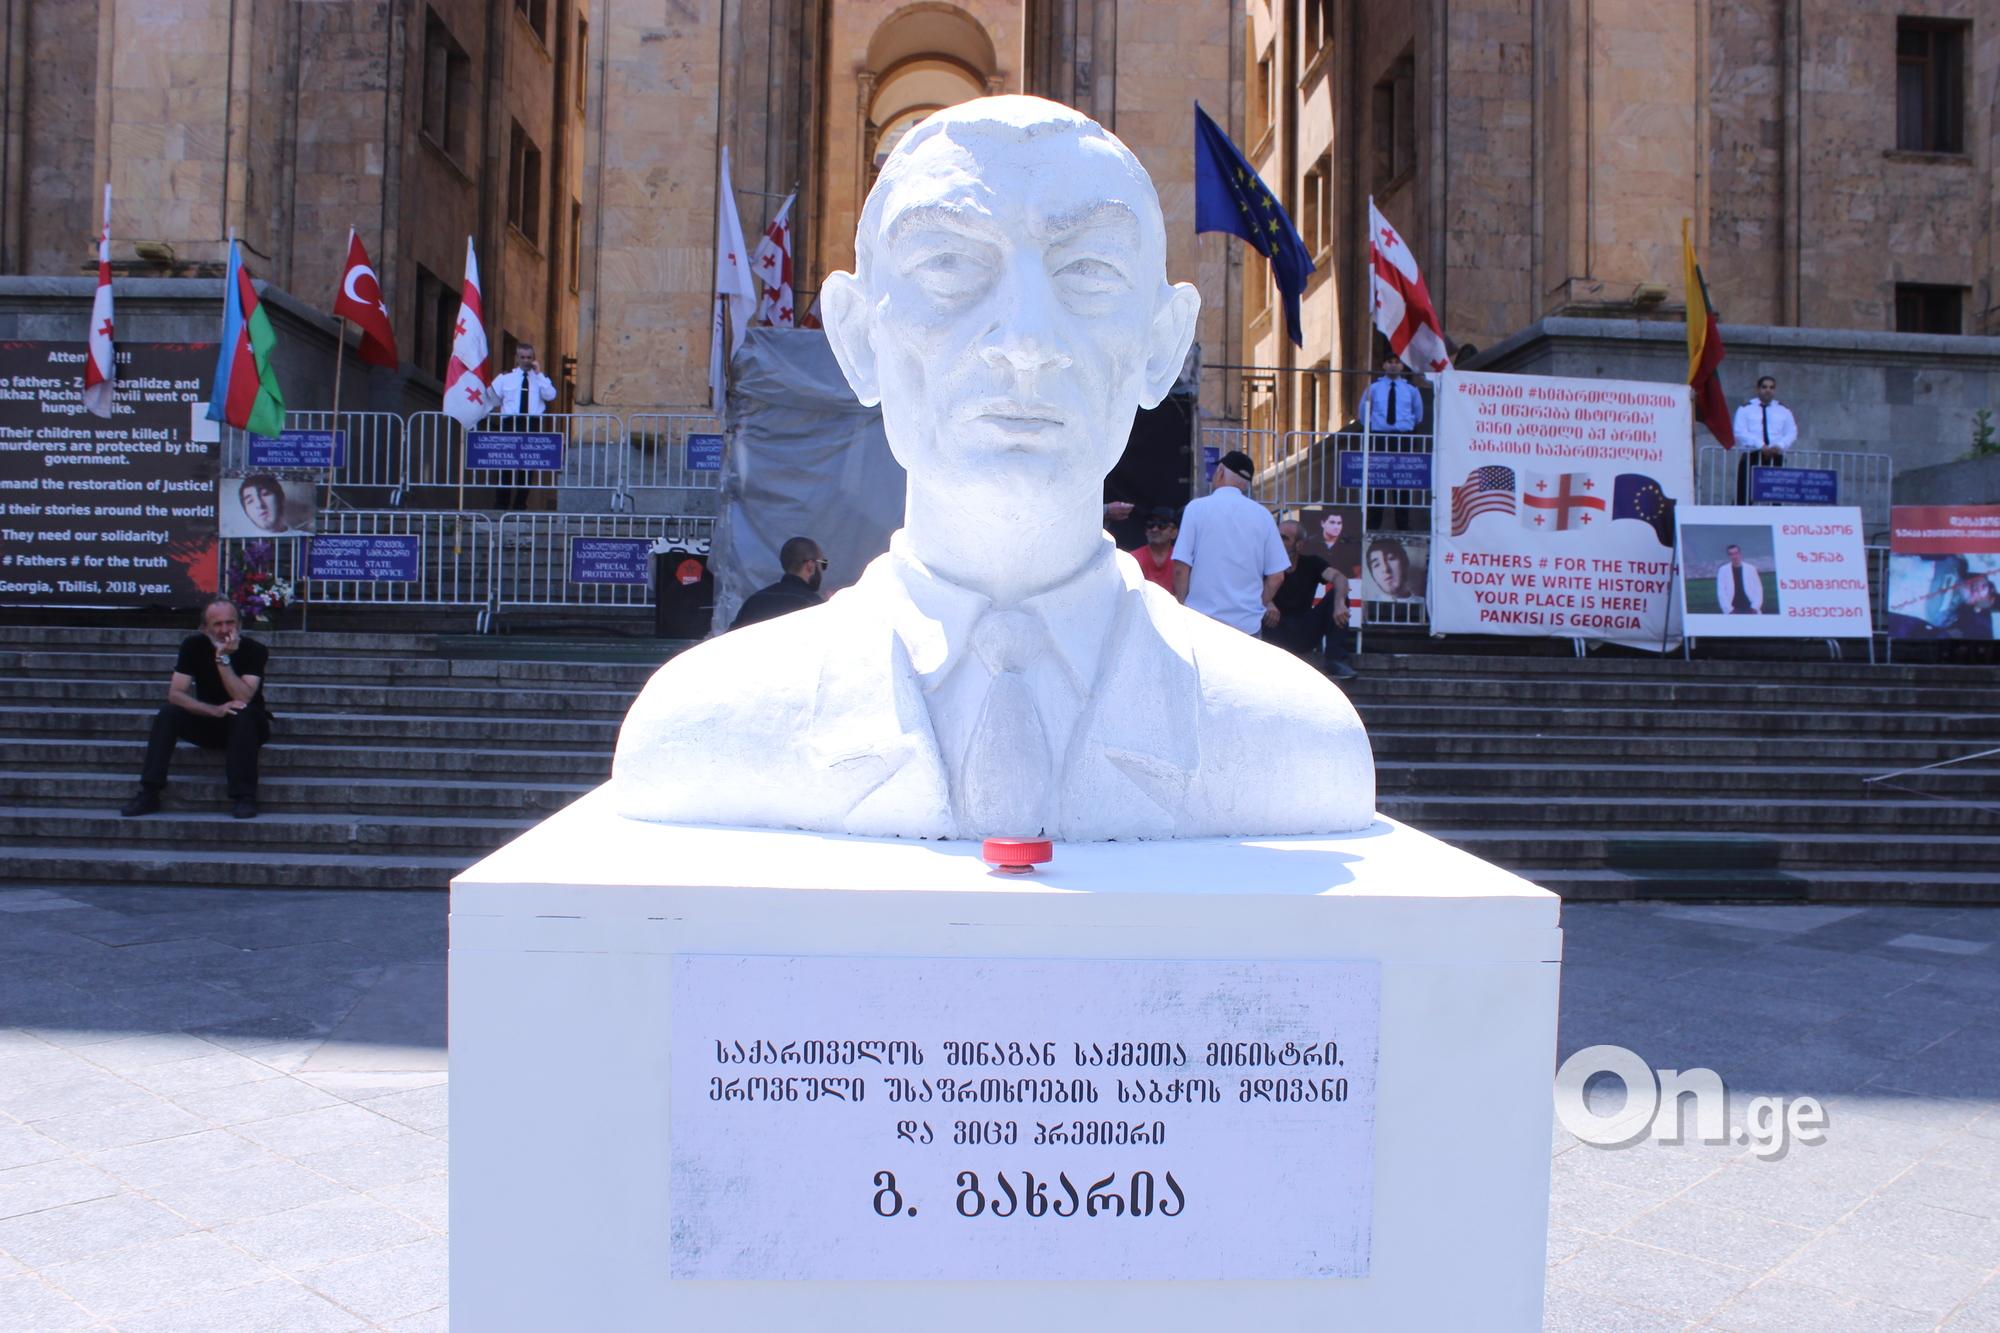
[{"x": 246, "y": 393}]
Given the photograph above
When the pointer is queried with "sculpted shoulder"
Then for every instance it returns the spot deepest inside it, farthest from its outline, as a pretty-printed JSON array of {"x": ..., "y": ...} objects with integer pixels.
[
  {"x": 1282, "y": 749},
  {"x": 724, "y": 714}
]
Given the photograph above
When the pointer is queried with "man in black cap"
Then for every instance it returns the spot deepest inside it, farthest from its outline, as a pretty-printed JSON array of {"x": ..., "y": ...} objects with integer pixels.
[
  {"x": 1156, "y": 554},
  {"x": 803, "y": 565},
  {"x": 1228, "y": 561}
]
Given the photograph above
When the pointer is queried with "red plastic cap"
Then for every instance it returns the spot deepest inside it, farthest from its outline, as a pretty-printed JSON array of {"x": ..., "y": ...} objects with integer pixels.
[{"x": 1016, "y": 856}]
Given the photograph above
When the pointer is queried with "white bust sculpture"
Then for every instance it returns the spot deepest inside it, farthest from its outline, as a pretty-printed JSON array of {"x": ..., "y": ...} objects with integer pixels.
[{"x": 1003, "y": 670}]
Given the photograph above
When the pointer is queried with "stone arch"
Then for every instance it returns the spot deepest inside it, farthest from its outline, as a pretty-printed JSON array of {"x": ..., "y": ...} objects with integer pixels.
[{"x": 923, "y": 57}]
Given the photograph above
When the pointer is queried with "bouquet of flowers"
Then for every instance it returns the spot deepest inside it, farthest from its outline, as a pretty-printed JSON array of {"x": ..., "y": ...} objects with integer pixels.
[{"x": 255, "y": 589}]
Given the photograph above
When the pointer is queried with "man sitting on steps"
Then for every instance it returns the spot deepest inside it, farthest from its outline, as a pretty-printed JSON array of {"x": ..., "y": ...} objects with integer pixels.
[{"x": 215, "y": 698}]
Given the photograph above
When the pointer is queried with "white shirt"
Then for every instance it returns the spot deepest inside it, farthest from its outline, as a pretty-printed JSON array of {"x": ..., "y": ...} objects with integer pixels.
[
  {"x": 1077, "y": 614},
  {"x": 1751, "y": 419},
  {"x": 1725, "y": 588},
  {"x": 1230, "y": 544},
  {"x": 507, "y": 393}
]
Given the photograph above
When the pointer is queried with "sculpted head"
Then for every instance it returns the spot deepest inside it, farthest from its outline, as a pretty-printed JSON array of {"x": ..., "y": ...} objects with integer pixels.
[{"x": 1009, "y": 307}]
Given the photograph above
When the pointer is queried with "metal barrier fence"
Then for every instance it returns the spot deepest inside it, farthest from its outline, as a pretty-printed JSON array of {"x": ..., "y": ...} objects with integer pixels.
[
  {"x": 1865, "y": 480},
  {"x": 593, "y": 454},
  {"x": 372, "y": 456},
  {"x": 657, "y": 457},
  {"x": 534, "y": 564},
  {"x": 455, "y": 560}
]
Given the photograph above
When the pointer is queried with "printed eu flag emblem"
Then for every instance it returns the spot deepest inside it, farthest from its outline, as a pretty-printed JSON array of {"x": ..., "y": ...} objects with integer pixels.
[
  {"x": 1640, "y": 497},
  {"x": 1230, "y": 196}
]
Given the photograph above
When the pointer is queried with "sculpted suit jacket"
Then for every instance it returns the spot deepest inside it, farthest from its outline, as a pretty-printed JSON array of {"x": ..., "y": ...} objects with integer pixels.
[{"x": 819, "y": 720}]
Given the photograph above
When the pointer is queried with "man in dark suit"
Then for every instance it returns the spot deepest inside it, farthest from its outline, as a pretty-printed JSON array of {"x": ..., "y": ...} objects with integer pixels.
[{"x": 804, "y": 565}]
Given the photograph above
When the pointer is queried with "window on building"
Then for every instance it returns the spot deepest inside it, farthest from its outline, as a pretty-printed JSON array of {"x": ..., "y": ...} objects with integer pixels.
[
  {"x": 1316, "y": 205},
  {"x": 1926, "y": 309},
  {"x": 524, "y": 185},
  {"x": 1395, "y": 116},
  {"x": 1316, "y": 30},
  {"x": 1263, "y": 103},
  {"x": 1930, "y": 86},
  {"x": 1314, "y": 395},
  {"x": 582, "y": 62},
  {"x": 575, "y": 245},
  {"x": 437, "y": 321},
  {"x": 537, "y": 14},
  {"x": 447, "y": 88}
]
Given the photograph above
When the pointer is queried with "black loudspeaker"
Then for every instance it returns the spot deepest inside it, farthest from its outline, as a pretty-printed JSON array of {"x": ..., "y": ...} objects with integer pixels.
[{"x": 1157, "y": 466}]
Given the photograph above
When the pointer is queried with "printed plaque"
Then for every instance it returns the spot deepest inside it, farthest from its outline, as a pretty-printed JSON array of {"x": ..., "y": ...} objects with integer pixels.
[{"x": 969, "y": 1119}]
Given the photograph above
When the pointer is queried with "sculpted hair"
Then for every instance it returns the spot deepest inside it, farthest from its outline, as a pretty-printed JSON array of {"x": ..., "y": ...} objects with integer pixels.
[{"x": 987, "y": 119}]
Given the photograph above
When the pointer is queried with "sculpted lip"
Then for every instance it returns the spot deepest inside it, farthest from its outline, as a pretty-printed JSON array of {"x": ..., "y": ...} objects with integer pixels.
[{"x": 1011, "y": 415}]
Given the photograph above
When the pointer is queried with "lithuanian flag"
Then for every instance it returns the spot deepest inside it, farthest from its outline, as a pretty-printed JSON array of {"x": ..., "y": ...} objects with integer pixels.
[
  {"x": 246, "y": 393},
  {"x": 1711, "y": 405}
]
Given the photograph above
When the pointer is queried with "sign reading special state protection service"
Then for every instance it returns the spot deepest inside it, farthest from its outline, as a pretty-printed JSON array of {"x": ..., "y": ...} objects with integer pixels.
[
  {"x": 704, "y": 453},
  {"x": 1794, "y": 486},
  {"x": 968, "y": 1119},
  {"x": 531, "y": 450},
  {"x": 1553, "y": 506},
  {"x": 391, "y": 558},
  {"x": 1385, "y": 471},
  {"x": 610, "y": 559},
  {"x": 1757, "y": 572},
  {"x": 300, "y": 448}
]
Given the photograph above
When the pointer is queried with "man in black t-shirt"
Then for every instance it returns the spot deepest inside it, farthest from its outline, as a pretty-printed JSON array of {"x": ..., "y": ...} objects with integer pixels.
[
  {"x": 215, "y": 698},
  {"x": 1310, "y": 607}
]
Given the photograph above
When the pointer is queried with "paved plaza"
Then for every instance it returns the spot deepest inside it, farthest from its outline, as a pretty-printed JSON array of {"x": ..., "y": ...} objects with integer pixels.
[{"x": 225, "y": 1109}]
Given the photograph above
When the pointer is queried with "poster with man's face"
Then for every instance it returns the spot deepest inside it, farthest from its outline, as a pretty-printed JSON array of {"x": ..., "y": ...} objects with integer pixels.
[
  {"x": 1395, "y": 568},
  {"x": 1333, "y": 533},
  {"x": 264, "y": 504}
]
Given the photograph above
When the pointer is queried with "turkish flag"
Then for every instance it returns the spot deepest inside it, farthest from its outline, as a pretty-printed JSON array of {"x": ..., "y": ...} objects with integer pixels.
[{"x": 360, "y": 300}]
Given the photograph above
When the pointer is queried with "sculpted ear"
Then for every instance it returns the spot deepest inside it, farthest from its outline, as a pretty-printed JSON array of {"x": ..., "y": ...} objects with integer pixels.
[
  {"x": 843, "y": 308},
  {"x": 1168, "y": 340}
]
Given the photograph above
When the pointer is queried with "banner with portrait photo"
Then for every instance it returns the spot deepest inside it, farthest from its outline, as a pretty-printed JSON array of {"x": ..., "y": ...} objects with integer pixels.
[
  {"x": 1395, "y": 568},
  {"x": 1944, "y": 571},
  {"x": 266, "y": 504},
  {"x": 1773, "y": 572},
  {"x": 1333, "y": 533},
  {"x": 1553, "y": 506},
  {"x": 114, "y": 513}
]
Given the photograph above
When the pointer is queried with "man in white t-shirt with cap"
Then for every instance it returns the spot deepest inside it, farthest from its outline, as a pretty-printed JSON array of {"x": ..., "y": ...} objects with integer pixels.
[{"x": 1228, "y": 559}]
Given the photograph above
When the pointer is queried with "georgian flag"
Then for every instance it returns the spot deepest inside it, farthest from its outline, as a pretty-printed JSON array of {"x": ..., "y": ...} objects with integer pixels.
[
  {"x": 467, "y": 395},
  {"x": 772, "y": 263},
  {"x": 1403, "y": 308},
  {"x": 100, "y": 369}
]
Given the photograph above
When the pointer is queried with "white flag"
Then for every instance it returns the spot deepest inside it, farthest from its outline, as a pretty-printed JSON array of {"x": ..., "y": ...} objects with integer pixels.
[
  {"x": 735, "y": 293},
  {"x": 100, "y": 370},
  {"x": 468, "y": 394},
  {"x": 1403, "y": 308}
]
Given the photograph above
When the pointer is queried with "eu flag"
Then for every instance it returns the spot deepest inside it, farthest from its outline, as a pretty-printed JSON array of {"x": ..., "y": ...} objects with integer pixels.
[
  {"x": 1636, "y": 496},
  {"x": 1229, "y": 196}
]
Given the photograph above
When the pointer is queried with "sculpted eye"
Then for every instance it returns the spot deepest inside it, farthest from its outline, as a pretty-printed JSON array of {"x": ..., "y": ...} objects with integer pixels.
[
  {"x": 1091, "y": 275},
  {"x": 949, "y": 273}
]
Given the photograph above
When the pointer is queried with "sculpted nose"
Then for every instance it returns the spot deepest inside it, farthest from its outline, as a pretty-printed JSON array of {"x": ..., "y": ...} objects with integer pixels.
[{"x": 1025, "y": 338}]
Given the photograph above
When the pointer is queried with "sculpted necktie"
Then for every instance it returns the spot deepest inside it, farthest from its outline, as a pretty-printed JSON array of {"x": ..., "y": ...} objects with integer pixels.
[{"x": 1004, "y": 787}]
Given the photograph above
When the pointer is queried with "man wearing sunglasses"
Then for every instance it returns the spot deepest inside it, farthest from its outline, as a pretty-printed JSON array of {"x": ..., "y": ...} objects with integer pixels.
[
  {"x": 803, "y": 565},
  {"x": 1156, "y": 557}
]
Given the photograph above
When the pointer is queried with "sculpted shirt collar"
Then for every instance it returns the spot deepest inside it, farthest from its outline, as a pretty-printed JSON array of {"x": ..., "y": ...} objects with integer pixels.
[{"x": 1078, "y": 613}]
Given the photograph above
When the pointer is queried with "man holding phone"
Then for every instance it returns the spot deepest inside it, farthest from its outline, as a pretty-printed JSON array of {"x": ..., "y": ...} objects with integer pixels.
[
  {"x": 523, "y": 391},
  {"x": 215, "y": 698}
]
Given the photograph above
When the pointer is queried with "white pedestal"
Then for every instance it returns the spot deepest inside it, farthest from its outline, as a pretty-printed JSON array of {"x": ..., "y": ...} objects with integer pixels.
[{"x": 561, "y": 987}]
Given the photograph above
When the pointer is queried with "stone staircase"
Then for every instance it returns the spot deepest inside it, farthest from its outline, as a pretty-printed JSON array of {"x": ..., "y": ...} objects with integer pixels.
[{"x": 399, "y": 759}]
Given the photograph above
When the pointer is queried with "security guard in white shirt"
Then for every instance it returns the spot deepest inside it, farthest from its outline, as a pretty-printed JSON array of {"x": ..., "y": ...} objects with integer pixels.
[{"x": 1765, "y": 429}]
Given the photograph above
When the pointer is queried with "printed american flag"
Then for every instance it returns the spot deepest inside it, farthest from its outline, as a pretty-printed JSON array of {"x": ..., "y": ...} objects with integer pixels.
[{"x": 1487, "y": 490}]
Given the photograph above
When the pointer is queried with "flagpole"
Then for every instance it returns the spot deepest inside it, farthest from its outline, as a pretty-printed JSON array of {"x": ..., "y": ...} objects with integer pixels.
[{"x": 339, "y": 356}]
